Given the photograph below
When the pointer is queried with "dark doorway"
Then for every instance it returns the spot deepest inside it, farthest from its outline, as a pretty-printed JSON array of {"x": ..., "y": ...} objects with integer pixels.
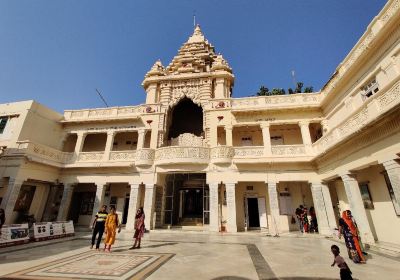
[
  {"x": 185, "y": 117},
  {"x": 193, "y": 203},
  {"x": 75, "y": 207},
  {"x": 125, "y": 213},
  {"x": 252, "y": 207}
]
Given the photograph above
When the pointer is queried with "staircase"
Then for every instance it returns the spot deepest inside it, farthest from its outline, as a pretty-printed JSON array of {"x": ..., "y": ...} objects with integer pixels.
[{"x": 191, "y": 222}]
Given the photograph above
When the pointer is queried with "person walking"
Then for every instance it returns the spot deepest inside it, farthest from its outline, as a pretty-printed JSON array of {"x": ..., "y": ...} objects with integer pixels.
[
  {"x": 348, "y": 228},
  {"x": 305, "y": 220},
  {"x": 345, "y": 272},
  {"x": 139, "y": 228},
  {"x": 98, "y": 226},
  {"x": 111, "y": 225}
]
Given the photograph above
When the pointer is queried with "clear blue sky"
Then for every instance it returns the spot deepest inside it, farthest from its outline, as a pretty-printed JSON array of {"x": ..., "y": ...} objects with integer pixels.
[{"x": 57, "y": 52}]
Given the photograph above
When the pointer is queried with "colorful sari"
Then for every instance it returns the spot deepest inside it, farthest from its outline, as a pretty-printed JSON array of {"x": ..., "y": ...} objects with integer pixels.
[
  {"x": 350, "y": 233},
  {"x": 139, "y": 226}
]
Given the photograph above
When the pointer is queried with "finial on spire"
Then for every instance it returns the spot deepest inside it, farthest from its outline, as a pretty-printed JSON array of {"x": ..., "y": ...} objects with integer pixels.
[{"x": 194, "y": 18}]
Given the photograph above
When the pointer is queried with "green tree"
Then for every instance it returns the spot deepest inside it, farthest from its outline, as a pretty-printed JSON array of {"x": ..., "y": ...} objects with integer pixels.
[
  {"x": 309, "y": 89},
  {"x": 263, "y": 91},
  {"x": 290, "y": 91},
  {"x": 299, "y": 87}
]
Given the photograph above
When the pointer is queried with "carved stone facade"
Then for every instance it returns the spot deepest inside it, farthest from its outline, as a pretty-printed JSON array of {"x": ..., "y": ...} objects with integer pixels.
[{"x": 328, "y": 149}]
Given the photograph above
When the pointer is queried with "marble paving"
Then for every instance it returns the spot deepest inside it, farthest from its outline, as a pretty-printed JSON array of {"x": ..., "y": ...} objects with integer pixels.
[{"x": 189, "y": 256}]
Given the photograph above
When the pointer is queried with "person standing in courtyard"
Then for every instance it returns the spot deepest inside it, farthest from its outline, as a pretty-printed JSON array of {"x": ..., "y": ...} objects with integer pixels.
[
  {"x": 299, "y": 214},
  {"x": 98, "y": 226},
  {"x": 345, "y": 272},
  {"x": 111, "y": 225},
  {"x": 348, "y": 228},
  {"x": 139, "y": 228},
  {"x": 313, "y": 222},
  {"x": 305, "y": 219}
]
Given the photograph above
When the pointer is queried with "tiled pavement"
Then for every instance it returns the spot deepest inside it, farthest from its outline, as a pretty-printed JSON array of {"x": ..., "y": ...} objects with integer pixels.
[{"x": 183, "y": 255}]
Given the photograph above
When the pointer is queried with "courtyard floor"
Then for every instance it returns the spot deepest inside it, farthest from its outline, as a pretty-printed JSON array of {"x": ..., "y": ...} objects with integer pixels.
[{"x": 188, "y": 255}]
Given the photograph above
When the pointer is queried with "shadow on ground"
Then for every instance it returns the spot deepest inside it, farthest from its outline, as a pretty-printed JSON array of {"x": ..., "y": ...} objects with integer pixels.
[{"x": 275, "y": 278}]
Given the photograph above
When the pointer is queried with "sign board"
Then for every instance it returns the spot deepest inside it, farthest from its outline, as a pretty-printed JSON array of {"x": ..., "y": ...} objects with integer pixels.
[{"x": 14, "y": 234}]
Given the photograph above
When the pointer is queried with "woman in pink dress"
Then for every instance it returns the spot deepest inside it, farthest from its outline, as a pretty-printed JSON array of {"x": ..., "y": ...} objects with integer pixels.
[{"x": 139, "y": 228}]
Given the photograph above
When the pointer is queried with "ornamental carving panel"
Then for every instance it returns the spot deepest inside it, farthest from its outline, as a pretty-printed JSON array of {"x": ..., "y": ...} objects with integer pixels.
[
  {"x": 188, "y": 140},
  {"x": 194, "y": 153},
  {"x": 288, "y": 150},
  {"x": 91, "y": 156},
  {"x": 100, "y": 112},
  {"x": 123, "y": 156},
  {"x": 51, "y": 154},
  {"x": 188, "y": 88},
  {"x": 388, "y": 97},
  {"x": 354, "y": 123},
  {"x": 249, "y": 152},
  {"x": 222, "y": 152}
]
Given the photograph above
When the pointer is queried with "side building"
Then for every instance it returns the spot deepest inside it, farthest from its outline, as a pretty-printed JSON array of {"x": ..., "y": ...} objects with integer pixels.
[{"x": 194, "y": 156}]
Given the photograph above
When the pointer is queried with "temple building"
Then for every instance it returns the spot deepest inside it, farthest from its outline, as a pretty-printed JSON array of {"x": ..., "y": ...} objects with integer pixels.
[{"x": 196, "y": 157}]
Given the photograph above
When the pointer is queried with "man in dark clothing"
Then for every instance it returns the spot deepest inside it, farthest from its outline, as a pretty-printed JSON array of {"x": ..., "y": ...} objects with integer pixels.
[
  {"x": 98, "y": 226},
  {"x": 299, "y": 215}
]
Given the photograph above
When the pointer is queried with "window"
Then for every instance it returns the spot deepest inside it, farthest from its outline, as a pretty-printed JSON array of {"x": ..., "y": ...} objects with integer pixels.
[
  {"x": 370, "y": 89},
  {"x": 366, "y": 196},
  {"x": 3, "y": 122},
  {"x": 247, "y": 141}
]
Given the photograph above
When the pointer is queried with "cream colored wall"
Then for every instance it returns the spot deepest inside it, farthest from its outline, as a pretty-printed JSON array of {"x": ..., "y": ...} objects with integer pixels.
[
  {"x": 42, "y": 126},
  {"x": 254, "y": 132},
  {"x": 95, "y": 142},
  {"x": 259, "y": 190},
  {"x": 384, "y": 222},
  {"x": 291, "y": 134},
  {"x": 39, "y": 200},
  {"x": 122, "y": 137}
]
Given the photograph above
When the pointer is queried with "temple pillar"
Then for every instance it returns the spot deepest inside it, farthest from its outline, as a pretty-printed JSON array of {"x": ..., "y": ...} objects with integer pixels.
[
  {"x": 65, "y": 202},
  {"x": 214, "y": 224},
  {"x": 266, "y": 138},
  {"x": 10, "y": 198},
  {"x": 149, "y": 199},
  {"x": 228, "y": 135},
  {"x": 392, "y": 168},
  {"x": 231, "y": 206},
  {"x": 109, "y": 145},
  {"x": 99, "y": 199},
  {"x": 134, "y": 201},
  {"x": 274, "y": 208},
  {"x": 323, "y": 208},
  {"x": 357, "y": 207}
]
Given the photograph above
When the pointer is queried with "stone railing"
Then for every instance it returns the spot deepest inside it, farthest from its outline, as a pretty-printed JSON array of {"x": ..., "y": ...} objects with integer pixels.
[
  {"x": 222, "y": 154},
  {"x": 265, "y": 102},
  {"x": 43, "y": 152},
  {"x": 90, "y": 156},
  {"x": 122, "y": 155},
  {"x": 110, "y": 113},
  {"x": 144, "y": 157},
  {"x": 174, "y": 154},
  {"x": 288, "y": 150},
  {"x": 249, "y": 152},
  {"x": 375, "y": 106}
]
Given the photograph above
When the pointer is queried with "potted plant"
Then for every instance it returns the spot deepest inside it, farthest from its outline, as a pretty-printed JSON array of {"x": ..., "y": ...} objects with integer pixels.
[{"x": 223, "y": 226}]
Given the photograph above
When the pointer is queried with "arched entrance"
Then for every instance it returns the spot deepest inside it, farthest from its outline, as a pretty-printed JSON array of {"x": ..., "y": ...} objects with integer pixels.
[{"x": 185, "y": 117}]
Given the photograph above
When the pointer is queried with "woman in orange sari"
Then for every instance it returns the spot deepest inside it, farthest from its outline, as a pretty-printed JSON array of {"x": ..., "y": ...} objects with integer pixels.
[
  {"x": 348, "y": 228},
  {"x": 111, "y": 225}
]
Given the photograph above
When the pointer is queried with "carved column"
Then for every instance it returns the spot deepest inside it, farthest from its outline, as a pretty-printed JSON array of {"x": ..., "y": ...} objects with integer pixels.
[
  {"x": 140, "y": 143},
  {"x": 149, "y": 199},
  {"x": 228, "y": 135},
  {"x": 214, "y": 223},
  {"x": 10, "y": 198},
  {"x": 266, "y": 138},
  {"x": 392, "y": 168},
  {"x": 166, "y": 92},
  {"x": 99, "y": 198},
  {"x": 323, "y": 208},
  {"x": 274, "y": 208},
  {"x": 133, "y": 206},
  {"x": 80, "y": 140},
  {"x": 219, "y": 88},
  {"x": 65, "y": 202},
  {"x": 205, "y": 89},
  {"x": 231, "y": 206},
  {"x": 109, "y": 145},
  {"x": 357, "y": 207},
  {"x": 305, "y": 135}
]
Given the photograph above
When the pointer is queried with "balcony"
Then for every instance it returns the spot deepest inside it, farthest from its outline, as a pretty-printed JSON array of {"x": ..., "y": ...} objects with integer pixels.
[
  {"x": 222, "y": 154},
  {"x": 288, "y": 150},
  {"x": 178, "y": 155}
]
